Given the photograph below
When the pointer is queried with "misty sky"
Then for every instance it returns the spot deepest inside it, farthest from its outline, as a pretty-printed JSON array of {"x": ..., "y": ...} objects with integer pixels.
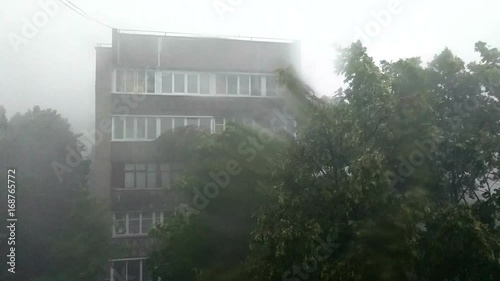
[{"x": 56, "y": 67}]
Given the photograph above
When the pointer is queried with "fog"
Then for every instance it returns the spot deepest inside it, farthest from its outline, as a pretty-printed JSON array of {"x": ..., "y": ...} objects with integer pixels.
[{"x": 56, "y": 67}]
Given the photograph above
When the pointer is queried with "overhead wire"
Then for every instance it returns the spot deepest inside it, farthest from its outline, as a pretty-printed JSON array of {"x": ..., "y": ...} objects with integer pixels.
[{"x": 82, "y": 13}]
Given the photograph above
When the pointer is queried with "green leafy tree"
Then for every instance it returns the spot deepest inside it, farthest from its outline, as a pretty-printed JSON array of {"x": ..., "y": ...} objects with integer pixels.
[
  {"x": 395, "y": 175},
  {"x": 226, "y": 183},
  {"x": 60, "y": 232}
]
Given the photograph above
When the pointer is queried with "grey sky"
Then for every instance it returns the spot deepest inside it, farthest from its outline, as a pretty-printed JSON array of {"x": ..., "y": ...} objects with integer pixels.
[{"x": 56, "y": 67}]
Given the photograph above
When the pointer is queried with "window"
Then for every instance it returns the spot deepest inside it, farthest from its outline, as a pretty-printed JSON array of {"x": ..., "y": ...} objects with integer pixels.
[
  {"x": 192, "y": 83},
  {"x": 179, "y": 83},
  {"x": 220, "y": 125},
  {"x": 135, "y": 223},
  {"x": 220, "y": 84},
  {"x": 138, "y": 177},
  {"x": 146, "y": 128},
  {"x": 192, "y": 122},
  {"x": 206, "y": 125},
  {"x": 118, "y": 127},
  {"x": 120, "y": 80},
  {"x": 120, "y": 224},
  {"x": 255, "y": 85},
  {"x": 166, "y": 125},
  {"x": 166, "y": 82},
  {"x": 271, "y": 86},
  {"x": 232, "y": 84},
  {"x": 129, "y": 270},
  {"x": 169, "y": 174},
  {"x": 129, "y": 128},
  {"x": 125, "y": 81},
  {"x": 147, "y": 222},
  {"x": 178, "y": 123},
  {"x": 151, "y": 128},
  {"x": 204, "y": 84},
  {"x": 141, "y": 128},
  {"x": 141, "y": 81},
  {"x": 244, "y": 85},
  {"x": 150, "y": 82}
]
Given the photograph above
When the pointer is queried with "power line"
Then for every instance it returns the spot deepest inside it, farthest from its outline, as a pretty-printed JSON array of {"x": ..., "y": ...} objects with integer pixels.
[{"x": 82, "y": 13}]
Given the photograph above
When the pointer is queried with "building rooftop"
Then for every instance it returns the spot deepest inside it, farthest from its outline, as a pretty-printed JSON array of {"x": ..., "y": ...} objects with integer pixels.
[{"x": 194, "y": 35}]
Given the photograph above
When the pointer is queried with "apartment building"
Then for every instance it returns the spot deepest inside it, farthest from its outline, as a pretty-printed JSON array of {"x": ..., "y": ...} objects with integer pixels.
[{"x": 149, "y": 83}]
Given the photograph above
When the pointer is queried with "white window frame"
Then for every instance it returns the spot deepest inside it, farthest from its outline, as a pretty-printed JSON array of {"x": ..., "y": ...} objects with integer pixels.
[
  {"x": 127, "y": 223},
  {"x": 136, "y": 80},
  {"x": 158, "y": 88},
  {"x": 141, "y": 268},
  {"x": 158, "y": 125}
]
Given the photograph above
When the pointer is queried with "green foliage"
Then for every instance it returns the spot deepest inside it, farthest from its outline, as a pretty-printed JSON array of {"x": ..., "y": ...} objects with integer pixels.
[
  {"x": 61, "y": 233},
  {"x": 400, "y": 168},
  {"x": 210, "y": 241},
  {"x": 390, "y": 180}
]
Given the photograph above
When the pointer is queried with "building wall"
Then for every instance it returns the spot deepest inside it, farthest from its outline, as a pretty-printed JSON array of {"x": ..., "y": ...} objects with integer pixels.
[{"x": 166, "y": 53}]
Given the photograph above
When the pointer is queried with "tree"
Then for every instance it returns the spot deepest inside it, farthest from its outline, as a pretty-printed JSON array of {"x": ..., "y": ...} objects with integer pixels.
[
  {"x": 60, "y": 232},
  {"x": 393, "y": 181},
  {"x": 208, "y": 238}
]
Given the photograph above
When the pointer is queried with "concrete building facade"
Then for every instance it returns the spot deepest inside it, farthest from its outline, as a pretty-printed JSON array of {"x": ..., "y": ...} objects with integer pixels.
[{"x": 149, "y": 83}]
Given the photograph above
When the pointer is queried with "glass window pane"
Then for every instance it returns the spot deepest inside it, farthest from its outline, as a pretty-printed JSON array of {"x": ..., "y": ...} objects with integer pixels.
[
  {"x": 204, "y": 84},
  {"x": 219, "y": 125},
  {"x": 179, "y": 83},
  {"x": 141, "y": 81},
  {"x": 140, "y": 167},
  {"x": 158, "y": 219},
  {"x": 120, "y": 80},
  {"x": 205, "y": 124},
  {"x": 120, "y": 223},
  {"x": 141, "y": 128},
  {"x": 133, "y": 270},
  {"x": 147, "y": 222},
  {"x": 151, "y": 128},
  {"x": 129, "y": 128},
  {"x": 244, "y": 85},
  {"x": 166, "y": 82},
  {"x": 150, "y": 81},
  {"x": 271, "y": 86},
  {"x": 166, "y": 125},
  {"x": 220, "y": 84},
  {"x": 130, "y": 84},
  {"x": 192, "y": 83},
  {"x": 255, "y": 85},
  {"x": 133, "y": 227},
  {"x": 140, "y": 179},
  {"x": 118, "y": 128},
  {"x": 192, "y": 121},
  {"x": 152, "y": 179},
  {"x": 119, "y": 271},
  {"x": 178, "y": 122},
  {"x": 129, "y": 167},
  {"x": 165, "y": 175},
  {"x": 129, "y": 180},
  {"x": 232, "y": 85}
]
